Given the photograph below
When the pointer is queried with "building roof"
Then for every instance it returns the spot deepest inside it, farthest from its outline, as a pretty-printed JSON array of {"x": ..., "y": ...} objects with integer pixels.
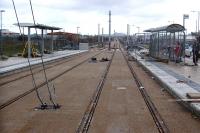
[
  {"x": 169, "y": 28},
  {"x": 39, "y": 26}
]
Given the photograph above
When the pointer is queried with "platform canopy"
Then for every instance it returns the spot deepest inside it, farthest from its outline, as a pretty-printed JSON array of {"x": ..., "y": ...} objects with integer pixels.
[
  {"x": 169, "y": 28},
  {"x": 38, "y": 26},
  {"x": 42, "y": 27}
]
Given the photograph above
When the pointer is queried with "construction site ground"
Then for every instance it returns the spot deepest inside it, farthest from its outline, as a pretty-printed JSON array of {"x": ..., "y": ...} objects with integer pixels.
[{"x": 121, "y": 108}]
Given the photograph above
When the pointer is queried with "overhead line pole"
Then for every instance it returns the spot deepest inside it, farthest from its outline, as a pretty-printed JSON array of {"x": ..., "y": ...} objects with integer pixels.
[
  {"x": 1, "y": 32},
  {"x": 98, "y": 34},
  {"x": 109, "y": 29}
]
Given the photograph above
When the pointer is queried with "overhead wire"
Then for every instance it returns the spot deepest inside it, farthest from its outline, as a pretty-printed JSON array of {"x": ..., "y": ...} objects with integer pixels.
[
  {"x": 47, "y": 82},
  {"x": 33, "y": 78}
]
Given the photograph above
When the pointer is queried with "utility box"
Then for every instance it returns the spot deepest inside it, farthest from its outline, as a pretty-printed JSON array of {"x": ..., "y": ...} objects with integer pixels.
[{"x": 83, "y": 46}]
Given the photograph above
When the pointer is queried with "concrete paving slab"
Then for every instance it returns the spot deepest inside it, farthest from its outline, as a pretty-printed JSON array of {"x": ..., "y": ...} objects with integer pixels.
[
  {"x": 15, "y": 63},
  {"x": 193, "y": 95},
  {"x": 169, "y": 78}
]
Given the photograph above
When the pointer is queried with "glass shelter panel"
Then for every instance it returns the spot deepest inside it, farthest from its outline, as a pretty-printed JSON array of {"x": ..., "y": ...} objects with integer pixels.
[{"x": 164, "y": 42}]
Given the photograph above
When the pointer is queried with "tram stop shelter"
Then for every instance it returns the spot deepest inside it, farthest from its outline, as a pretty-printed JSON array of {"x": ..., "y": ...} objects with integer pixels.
[
  {"x": 42, "y": 27},
  {"x": 163, "y": 42}
]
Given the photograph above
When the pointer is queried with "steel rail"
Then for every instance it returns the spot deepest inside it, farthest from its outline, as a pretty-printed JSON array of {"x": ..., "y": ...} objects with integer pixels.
[
  {"x": 88, "y": 115},
  {"x": 44, "y": 83},
  {"x": 159, "y": 121},
  {"x": 58, "y": 62}
]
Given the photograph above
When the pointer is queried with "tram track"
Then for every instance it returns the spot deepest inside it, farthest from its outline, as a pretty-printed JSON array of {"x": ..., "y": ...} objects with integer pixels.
[
  {"x": 48, "y": 66},
  {"x": 88, "y": 115},
  {"x": 95, "y": 103},
  {"x": 159, "y": 121},
  {"x": 20, "y": 96}
]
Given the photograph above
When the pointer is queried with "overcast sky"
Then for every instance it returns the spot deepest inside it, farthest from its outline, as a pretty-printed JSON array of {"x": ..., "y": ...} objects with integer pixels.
[{"x": 87, "y": 14}]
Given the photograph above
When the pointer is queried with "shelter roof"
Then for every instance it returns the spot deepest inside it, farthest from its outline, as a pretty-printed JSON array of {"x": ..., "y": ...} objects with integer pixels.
[
  {"x": 39, "y": 26},
  {"x": 169, "y": 28}
]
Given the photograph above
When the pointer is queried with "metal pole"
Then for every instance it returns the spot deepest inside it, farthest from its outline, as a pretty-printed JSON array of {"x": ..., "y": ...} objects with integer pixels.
[
  {"x": 98, "y": 34},
  {"x": 29, "y": 42},
  {"x": 23, "y": 34},
  {"x": 1, "y": 36},
  {"x": 158, "y": 45},
  {"x": 184, "y": 47},
  {"x": 138, "y": 29},
  {"x": 77, "y": 30},
  {"x": 196, "y": 26},
  {"x": 1, "y": 32},
  {"x": 42, "y": 42},
  {"x": 109, "y": 29},
  {"x": 132, "y": 38},
  {"x": 133, "y": 30},
  {"x": 185, "y": 16},
  {"x": 77, "y": 36},
  {"x": 183, "y": 21},
  {"x": 198, "y": 20},
  {"x": 52, "y": 41},
  {"x": 127, "y": 39},
  {"x": 102, "y": 36}
]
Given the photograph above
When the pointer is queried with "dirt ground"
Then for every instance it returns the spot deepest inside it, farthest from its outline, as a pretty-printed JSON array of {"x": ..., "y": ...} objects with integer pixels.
[
  {"x": 73, "y": 92},
  {"x": 121, "y": 108},
  {"x": 17, "y": 87},
  {"x": 177, "y": 118}
]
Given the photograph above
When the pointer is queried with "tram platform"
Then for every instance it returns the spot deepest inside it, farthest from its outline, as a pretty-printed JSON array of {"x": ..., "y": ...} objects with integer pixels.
[
  {"x": 180, "y": 79},
  {"x": 16, "y": 63}
]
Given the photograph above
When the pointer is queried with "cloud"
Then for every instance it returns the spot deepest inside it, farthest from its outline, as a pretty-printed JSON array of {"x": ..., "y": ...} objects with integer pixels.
[
  {"x": 69, "y": 14},
  {"x": 4, "y": 4},
  {"x": 117, "y": 6}
]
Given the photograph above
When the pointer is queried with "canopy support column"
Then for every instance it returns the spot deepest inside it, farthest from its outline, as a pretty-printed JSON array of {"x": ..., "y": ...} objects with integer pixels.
[
  {"x": 29, "y": 42},
  {"x": 42, "y": 34},
  {"x": 52, "y": 41}
]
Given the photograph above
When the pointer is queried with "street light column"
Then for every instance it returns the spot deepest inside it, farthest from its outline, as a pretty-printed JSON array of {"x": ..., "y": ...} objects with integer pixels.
[
  {"x": 198, "y": 20},
  {"x": 102, "y": 36},
  {"x": 109, "y": 30},
  {"x": 77, "y": 36},
  {"x": 77, "y": 30},
  {"x": 132, "y": 28},
  {"x": 128, "y": 32},
  {"x": 1, "y": 32},
  {"x": 138, "y": 29},
  {"x": 185, "y": 16}
]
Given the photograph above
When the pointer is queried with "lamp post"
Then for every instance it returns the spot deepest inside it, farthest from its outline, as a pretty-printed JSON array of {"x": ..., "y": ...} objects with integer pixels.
[
  {"x": 1, "y": 32},
  {"x": 98, "y": 34},
  {"x": 77, "y": 29},
  {"x": 132, "y": 37},
  {"x": 185, "y": 16},
  {"x": 133, "y": 26},
  {"x": 109, "y": 30},
  {"x": 198, "y": 13},
  {"x": 102, "y": 35},
  {"x": 138, "y": 29},
  {"x": 128, "y": 32},
  {"x": 77, "y": 36}
]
